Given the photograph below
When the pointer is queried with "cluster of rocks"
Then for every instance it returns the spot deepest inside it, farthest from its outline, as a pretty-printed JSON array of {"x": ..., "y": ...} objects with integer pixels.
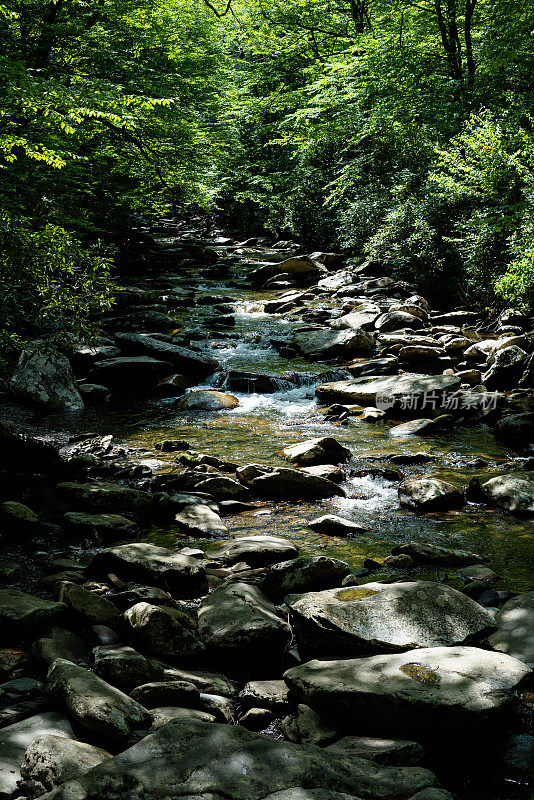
[{"x": 109, "y": 684}]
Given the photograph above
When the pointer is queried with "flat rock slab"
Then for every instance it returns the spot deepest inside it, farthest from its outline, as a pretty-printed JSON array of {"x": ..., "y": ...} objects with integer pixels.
[
  {"x": 92, "y": 702},
  {"x": 378, "y": 617},
  {"x": 304, "y": 575},
  {"x": 327, "y": 343},
  {"x": 180, "y": 574},
  {"x": 15, "y": 739},
  {"x": 515, "y": 633},
  {"x": 256, "y": 551},
  {"x": 394, "y": 752},
  {"x": 23, "y": 613},
  {"x": 413, "y": 693},
  {"x": 190, "y": 759},
  {"x": 385, "y": 391},
  {"x": 103, "y": 496}
]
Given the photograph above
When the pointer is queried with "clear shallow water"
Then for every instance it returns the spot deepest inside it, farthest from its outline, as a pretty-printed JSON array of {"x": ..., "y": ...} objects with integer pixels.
[{"x": 263, "y": 424}]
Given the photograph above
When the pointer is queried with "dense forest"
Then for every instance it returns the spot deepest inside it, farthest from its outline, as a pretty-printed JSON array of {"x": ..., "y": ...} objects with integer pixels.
[{"x": 401, "y": 131}]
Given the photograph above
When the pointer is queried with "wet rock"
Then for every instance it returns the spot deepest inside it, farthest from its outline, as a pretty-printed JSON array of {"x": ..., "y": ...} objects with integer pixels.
[
  {"x": 413, "y": 693},
  {"x": 513, "y": 492},
  {"x": 103, "y": 497},
  {"x": 90, "y": 606},
  {"x": 94, "y": 394},
  {"x": 515, "y": 632},
  {"x": 332, "y": 525},
  {"x": 136, "y": 375},
  {"x": 379, "y": 617},
  {"x": 200, "y": 520},
  {"x": 167, "y": 693},
  {"x": 51, "y": 760},
  {"x": 181, "y": 358},
  {"x": 207, "y": 682},
  {"x": 206, "y": 400},
  {"x": 330, "y": 472},
  {"x": 415, "y": 427},
  {"x": 390, "y": 752},
  {"x": 265, "y": 694},
  {"x": 516, "y": 429},
  {"x": 257, "y": 551},
  {"x": 307, "y": 727},
  {"x": 163, "y": 630},
  {"x": 238, "y": 622},
  {"x": 221, "y": 487},
  {"x": 427, "y": 553},
  {"x": 397, "y": 320},
  {"x": 123, "y": 666},
  {"x": 381, "y": 392},
  {"x": 44, "y": 377},
  {"x": 326, "y": 450},
  {"x": 256, "y": 719},
  {"x": 374, "y": 366},
  {"x": 103, "y": 526},
  {"x": 22, "y": 613},
  {"x": 161, "y": 716},
  {"x": 324, "y": 343},
  {"x": 61, "y": 643},
  {"x": 292, "y": 484},
  {"x": 478, "y": 572},
  {"x": 92, "y": 702},
  {"x": 197, "y": 759},
  {"x": 181, "y": 575},
  {"x": 15, "y": 739},
  {"x": 430, "y": 494},
  {"x": 222, "y": 708},
  {"x": 303, "y": 575}
]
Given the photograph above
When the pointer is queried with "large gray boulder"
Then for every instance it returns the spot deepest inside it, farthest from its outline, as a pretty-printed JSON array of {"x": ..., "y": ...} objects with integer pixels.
[
  {"x": 323, "y": 343},
  {"x": 44, "y": 377},
  {"x": 163, "y": 630},
  {"x": 415, "y": 693},
  {"x": 505, "y": 368},
  {"x": 378, "y": 617},
  {"x": 22, "y": 613},
  {"x": 180, "y": 574},
  {"x": 92, "y": 702},
  {"x": 515, "y": 632},
  {"x": 256, "y": 551},
  {"x": 325, "y": 450},
  {"x": 198, "y": 519},
  {"x": 430, "y": 494},
  {"x": 51, "y": 760},
  {"x": 386, "y": 391},
  {"x": 293, "y": 484},
  {"x": 15, "y": 739},
  {"x": 206, "y": 400},
  {"x": 187, "y": 759},
  {"x": 513, "y": 492},
  {"x": 239, "y": 622}
]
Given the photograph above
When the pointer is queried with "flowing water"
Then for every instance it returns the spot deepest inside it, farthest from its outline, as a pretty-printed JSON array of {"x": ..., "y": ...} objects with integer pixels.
[{"x": 263, "y": 424}]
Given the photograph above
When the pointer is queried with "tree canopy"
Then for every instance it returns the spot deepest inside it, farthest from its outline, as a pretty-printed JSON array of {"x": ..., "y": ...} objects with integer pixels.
[{"x": 401, "y": 131}]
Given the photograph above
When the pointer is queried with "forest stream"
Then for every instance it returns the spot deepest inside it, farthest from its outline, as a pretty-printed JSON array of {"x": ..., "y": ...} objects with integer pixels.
[{"x": 229, "y": 319}]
